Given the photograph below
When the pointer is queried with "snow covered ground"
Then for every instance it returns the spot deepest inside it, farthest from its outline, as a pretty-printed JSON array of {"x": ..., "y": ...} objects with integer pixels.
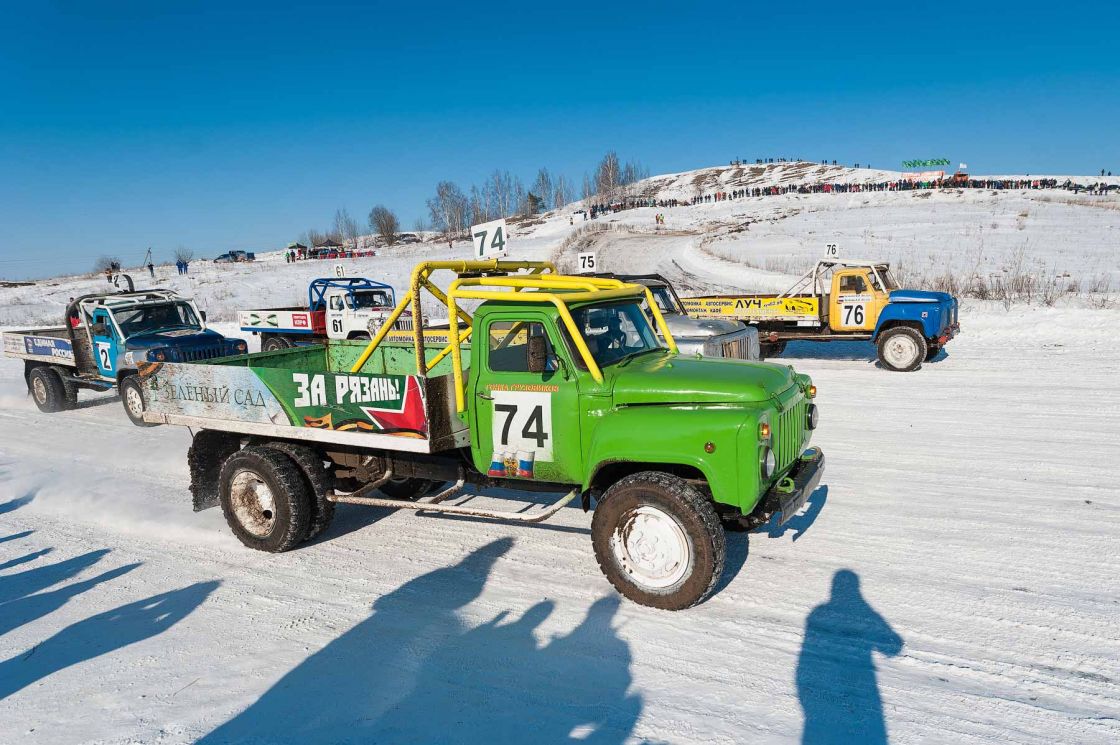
[{"x": 955, "y": 579}]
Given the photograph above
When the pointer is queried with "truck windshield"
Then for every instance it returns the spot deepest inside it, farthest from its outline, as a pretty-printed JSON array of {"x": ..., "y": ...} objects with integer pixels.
[
  {"x": 614, "y": 332},
  {"x": 372, "y": 299},
  {"x": 665, "y": 300},
  {"x": 149, "y": 319}
]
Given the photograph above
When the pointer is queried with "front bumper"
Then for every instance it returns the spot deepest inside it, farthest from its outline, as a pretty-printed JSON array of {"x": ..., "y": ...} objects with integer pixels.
[
  {"x": 948, "y": 334},
  {"x": 789, "y": 494}
]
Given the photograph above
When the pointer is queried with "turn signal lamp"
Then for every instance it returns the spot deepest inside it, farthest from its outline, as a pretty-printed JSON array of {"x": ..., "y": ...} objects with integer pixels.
[
  {"x": 764, "y": 431},
  {"x": 812, "y": 391}
]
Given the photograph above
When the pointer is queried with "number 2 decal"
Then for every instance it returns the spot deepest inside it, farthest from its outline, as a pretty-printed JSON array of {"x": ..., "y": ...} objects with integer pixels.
[
  {"x": 522, "y": 422},
  {"x": 104, "y": 357}
]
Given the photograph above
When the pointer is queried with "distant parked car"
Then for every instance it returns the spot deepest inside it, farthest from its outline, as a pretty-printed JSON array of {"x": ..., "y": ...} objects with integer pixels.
[
  {"x": 225, "y": 259},
  {"x": 408, "y": 238},
  {"x": 235, "y": 257}
]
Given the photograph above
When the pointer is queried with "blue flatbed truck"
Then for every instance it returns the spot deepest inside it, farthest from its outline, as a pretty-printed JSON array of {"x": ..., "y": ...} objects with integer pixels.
[{"x": 104, "y": 340}]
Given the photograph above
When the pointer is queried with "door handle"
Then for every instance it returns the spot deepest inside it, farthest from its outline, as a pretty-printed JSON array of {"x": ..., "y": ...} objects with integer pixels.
[{"x": 485, "y": 397}]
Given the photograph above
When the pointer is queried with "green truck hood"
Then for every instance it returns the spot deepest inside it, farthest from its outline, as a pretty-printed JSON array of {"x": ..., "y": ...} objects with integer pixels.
[{"x": 665, "y": 379}]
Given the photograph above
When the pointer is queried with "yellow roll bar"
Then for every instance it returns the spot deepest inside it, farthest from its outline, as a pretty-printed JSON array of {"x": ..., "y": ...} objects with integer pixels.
[{"x": 558, "y": 290}]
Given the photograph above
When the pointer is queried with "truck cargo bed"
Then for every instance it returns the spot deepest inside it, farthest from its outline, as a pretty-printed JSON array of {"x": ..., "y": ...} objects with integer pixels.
[{"x": 308, "y": 393}]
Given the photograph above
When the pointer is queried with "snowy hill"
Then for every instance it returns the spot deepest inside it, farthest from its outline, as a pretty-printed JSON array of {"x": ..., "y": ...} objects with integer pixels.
[{"x": 954, "y": 580}]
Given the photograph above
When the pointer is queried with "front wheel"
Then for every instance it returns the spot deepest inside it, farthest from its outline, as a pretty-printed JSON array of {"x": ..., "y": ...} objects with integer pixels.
[
  {"x": 658, "y": 540},
  {"x": 132, "y": 396},
  {"x": 902, "y": 349}
]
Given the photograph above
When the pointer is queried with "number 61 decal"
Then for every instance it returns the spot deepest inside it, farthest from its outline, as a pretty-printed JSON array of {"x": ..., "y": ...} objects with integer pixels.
[{"x": 522, "y": 422}]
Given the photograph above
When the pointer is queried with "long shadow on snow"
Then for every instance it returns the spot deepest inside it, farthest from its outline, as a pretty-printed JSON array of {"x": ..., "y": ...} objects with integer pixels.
[
  {"x": 414, "y": 672},
  {"x": 836, "y": 680},
  {"x": 863, "y": 351},
  {"x": 14, "y": 504},
  {"x": 25, "y": 558},
  {"x": 101, "y": 634},
  {"x": 16, "y": 536},
  {"x": 16, "y": 613},
  {"x": 30, "y": 581}
]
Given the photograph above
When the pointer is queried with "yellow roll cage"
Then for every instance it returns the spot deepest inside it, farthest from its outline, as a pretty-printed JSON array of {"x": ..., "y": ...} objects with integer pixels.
[{"x": 511, "y": 277}]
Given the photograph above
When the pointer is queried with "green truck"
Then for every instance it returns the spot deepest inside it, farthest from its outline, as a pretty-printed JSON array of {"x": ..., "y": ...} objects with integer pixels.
[{"x": 549, "y": 384}]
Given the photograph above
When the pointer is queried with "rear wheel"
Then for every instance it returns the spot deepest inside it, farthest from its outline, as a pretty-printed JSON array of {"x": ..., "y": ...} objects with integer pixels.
[
  {"x": 48, "y": 390},
  {"x": 658, "y": 540},
  {"x": 406, "y": 488},
  {"x": 902, "y": 349},
  {"x": 275, "y": 344},
  {"x": 132, "y": 396},
  {"x": 265, "y": 499}
]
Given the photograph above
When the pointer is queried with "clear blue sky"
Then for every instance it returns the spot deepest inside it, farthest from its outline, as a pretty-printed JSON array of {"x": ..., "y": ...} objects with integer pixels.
[{"x": 222, "y": 125}]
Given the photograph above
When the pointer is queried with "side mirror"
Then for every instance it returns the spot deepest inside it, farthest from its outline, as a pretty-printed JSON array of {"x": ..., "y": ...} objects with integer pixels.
[{"x": 537, "y": 351}]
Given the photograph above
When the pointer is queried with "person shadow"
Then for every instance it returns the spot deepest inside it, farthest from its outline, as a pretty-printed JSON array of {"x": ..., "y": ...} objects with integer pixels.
[
  {"x": 414, "y": 672},
  {"x": 14, "y": 504},
  {"x": 836, "y": 675},
  {"x": 101, "y": 634}
]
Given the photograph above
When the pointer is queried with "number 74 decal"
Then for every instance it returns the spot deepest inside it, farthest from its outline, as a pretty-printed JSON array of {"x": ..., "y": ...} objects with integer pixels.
[{"x": 522, "y": 422}]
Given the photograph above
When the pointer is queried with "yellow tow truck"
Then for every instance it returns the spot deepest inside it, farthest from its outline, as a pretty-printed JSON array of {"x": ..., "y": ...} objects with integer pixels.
[{"x": 844, "y": 300}]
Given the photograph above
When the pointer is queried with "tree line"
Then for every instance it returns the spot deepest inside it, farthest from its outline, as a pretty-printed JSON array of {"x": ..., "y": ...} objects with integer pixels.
[{"x": 452, "y": 209}]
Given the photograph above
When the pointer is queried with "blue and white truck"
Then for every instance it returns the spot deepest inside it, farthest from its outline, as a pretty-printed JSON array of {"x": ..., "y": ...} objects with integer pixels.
[
  {"x": 337, "y": 308},
  {"x": 103, "y": 342}
]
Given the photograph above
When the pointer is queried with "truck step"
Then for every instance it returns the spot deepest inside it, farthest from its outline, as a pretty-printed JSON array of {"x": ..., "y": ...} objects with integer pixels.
[{"x": 459, "y": 509}]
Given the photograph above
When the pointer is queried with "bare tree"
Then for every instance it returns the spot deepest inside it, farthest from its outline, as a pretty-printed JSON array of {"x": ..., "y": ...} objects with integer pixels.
[
  {"x": 420, "y": 225},
  {"x": 182, "y": 253},
  {"x": 312, "y": 237},
  {"x": 448, "y": 209},
  {"x": 346, "y": 227},
  {"x": 517, "y": 197},
  {"x": 543, "y": 188},
  {"x": 588, "y": 191},
  {"x": 106, "y": 262},
  {"x": 608, "y": 176},
  {"x": 384, "y": 222},
  {"x": 561, "y": 192}
]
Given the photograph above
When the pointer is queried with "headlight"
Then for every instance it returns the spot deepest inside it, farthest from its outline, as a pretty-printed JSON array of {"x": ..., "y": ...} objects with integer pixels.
[
  {"x": 811, "y": 415},
  {"x": 768, "y": 462},
  {"x": 241, "y": 347},
  {"x": 157, "y": 355}
]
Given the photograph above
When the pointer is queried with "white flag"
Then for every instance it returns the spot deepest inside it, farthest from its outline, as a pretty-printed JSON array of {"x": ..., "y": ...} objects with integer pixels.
[{"x": 964, "y": 166}]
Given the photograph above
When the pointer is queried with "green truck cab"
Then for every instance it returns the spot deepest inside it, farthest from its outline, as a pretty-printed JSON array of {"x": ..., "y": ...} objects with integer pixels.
[{"x": 548, "y": 384}]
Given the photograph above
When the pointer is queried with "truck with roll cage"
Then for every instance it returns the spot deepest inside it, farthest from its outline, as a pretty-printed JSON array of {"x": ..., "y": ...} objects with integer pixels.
[
  {"x": 104, "y": 339},
  {"x": 541, "y": 386}
]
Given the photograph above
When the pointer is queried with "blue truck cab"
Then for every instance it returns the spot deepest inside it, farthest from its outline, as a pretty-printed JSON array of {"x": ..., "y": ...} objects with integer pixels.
[{"x": 106, "y": 339}]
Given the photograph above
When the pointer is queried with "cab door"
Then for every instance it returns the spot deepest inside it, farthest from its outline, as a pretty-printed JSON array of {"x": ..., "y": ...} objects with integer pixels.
[
  {"x": 854, "y": 304},
  {"x": 524, "y": 401},
  {"x": 336, "y": 316},
  {"x": 105, "y": 343}
]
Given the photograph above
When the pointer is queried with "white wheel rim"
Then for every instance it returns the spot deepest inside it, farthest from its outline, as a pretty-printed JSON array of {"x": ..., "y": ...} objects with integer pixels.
[
  {"x": 900, "y": 350},
  {"x": 253, "y": 503},
  {"x": 40, "y": 390},
  {"x": 135, "y": 402},
  {"x": 651, "y": 548}
]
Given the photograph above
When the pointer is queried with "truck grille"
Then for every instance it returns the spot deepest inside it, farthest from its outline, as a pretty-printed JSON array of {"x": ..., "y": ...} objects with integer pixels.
[
  {"x": 405, "y": 324},
  {"x": 789, "y": 435},
  {"x": 735, "y": 349},
  {"x": 196, "y": 355}
]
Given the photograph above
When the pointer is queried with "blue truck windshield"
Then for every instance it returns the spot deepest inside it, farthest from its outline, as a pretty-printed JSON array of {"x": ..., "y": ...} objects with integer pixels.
[{"x": 149, "y": 319}]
